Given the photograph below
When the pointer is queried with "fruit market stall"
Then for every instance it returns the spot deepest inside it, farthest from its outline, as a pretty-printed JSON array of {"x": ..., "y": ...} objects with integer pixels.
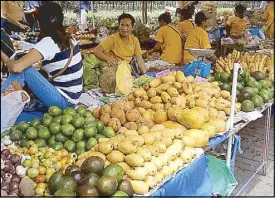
[
  {"x": 150, "y": 141},
  {"x": 146, "y": 129}
]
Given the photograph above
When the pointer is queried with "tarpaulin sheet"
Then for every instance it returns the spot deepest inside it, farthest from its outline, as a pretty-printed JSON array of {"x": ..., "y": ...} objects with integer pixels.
[
  {"x": 29, "y": 116},
  {"x": 213, "y": 142},
  {"x": 190, "y": 181}
]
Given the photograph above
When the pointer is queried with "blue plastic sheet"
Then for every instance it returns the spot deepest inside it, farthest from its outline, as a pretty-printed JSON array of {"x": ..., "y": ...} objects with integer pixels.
[
  {"x": 190, "y": 181},
  {"x": 213, "y": 142},
  {"x": 29, "y": 116},
  {"x": 194, "y": 68},
  {"x": 235, "y": 147}
]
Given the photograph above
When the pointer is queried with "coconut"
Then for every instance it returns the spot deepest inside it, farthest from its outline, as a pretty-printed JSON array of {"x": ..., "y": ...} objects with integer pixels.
[
  {"x": 131, "y": 125},
  {"x": 117, "y": 113},
  {"x": 115, "y": 124},
  {"x": 105, "y": 118},
  {"x": 105, "y": 109},
  {"x": 96, "y": 113},
  {"x": 132, "y": 115}
]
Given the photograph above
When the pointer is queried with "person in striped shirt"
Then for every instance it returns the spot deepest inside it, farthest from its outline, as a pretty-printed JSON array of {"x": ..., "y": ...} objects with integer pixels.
[{"x": 53, "y": 49}]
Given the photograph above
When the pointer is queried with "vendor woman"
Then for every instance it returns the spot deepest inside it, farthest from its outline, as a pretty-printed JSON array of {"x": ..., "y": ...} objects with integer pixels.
[
  {"x": 198, "y": 39},
  {"x": 13, "y": 17},
  {"x": 122, "y": 46},
  {"x": 269, "y": 17},
  {"x": 53, "y": 49},
  {"x": 236, "y": 25},
  {"x": 168, "y": 41},
  {"x": 186, "y": 26}
]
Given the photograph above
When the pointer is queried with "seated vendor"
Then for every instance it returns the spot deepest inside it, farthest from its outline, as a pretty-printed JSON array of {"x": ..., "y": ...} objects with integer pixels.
[
  {"x": 197, "y": 39},
  {"x": 269, "y": 17},
  {"x": 122, "y": 45},
  {"x": 54, "y": 50},
  {"x": 236, "y": 25},
  {"x": 13, "y": 17},
  {"x": 186, "y": 26},
  {"x": 168, "y": 41}
]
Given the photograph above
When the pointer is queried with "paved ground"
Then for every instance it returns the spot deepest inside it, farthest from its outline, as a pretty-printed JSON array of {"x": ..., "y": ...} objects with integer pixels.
[{"x": 247, "y": 163}]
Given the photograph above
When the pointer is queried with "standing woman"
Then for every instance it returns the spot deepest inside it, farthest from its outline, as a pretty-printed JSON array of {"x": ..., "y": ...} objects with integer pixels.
[
  {"x": 168, "y": 41},
  {"x": 122, "y": 46},
  {"x": 186, "y": 26},
  {"x": 269, "y": 17},
  {"x": 13, "y": 17},
  {"x": 198, "y": 39},
  {"x": 54, "y": 50},
  {"x": 236, "y": 25}
]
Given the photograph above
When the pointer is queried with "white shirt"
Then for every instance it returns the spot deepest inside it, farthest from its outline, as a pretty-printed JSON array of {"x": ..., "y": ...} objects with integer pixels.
[{"x": 70, "y": 83}]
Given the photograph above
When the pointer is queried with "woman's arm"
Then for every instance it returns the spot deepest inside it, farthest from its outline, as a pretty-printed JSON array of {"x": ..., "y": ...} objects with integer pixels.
[
  {"x": 30, "y": 11},
  {"x": 213, "y": 58},
  {"x": 157, "y": 48},
  {"x": 141, "y": 63},
  {"x": 99, "y": 52},
  {"x": 6, "y": 14},
  {"x": 266, "y": 14},
  {"x": 17, "y": 66}
]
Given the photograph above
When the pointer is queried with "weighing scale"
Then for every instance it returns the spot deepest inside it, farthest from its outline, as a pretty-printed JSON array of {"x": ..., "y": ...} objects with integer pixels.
[{"x": 199, "y": 67}]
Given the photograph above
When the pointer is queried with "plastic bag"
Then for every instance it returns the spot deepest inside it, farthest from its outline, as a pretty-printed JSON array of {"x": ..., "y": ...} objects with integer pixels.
[
  {"x": 124, "y": 80},
  {"x": 12, "y": 105},
  {"x": 197, "y": 69}
]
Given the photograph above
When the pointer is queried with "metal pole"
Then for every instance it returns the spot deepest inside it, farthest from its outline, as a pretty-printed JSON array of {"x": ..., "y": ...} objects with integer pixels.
[
  {"x": 232, "y": 112},
  {"x": 266, "y": 139}
]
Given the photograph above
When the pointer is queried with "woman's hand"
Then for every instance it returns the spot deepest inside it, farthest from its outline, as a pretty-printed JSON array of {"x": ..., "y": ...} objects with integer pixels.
[
  {"x": 149, "y": 52},
  {"x": 112, "y": 61},
  {"x": 24, "y": 27}
]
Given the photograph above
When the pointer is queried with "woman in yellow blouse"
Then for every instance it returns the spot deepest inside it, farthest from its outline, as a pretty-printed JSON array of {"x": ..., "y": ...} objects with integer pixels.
[
  {"x": 236, "y": 25},
  {"x": 269, "y": 17},
  {"x": 186, "y": 26},
  {"x": 197, "y": 39},
  {"x": 122, "y": 45},
  {"x": 168, "y": 41},
  {"x": 13, "y": 17}
]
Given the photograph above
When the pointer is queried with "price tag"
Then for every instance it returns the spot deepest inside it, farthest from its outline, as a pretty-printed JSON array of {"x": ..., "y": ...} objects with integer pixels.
[
  {"x": 163, "y": 73},
  {"x": 200, "y": 79}
]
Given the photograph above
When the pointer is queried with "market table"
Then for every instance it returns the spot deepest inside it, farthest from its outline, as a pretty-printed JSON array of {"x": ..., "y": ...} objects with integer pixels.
[{"x": 190, "y": 181}]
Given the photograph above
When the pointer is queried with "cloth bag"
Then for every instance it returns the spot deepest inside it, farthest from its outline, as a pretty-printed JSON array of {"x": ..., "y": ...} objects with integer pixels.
[{"x": 12, "y": 105}]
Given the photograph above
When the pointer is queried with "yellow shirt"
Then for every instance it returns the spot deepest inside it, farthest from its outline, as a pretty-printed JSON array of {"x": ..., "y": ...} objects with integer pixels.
[
  {"x": 197, "y": 39},
  {"x": 185, "y": 27},
  {"x": 117, "y": 48},
  {"x": 237, "y": 25},
  {"x": 170, "y": 44},
  {"x": 269, "y": 17},
  {"x": 14, "y": 8}
]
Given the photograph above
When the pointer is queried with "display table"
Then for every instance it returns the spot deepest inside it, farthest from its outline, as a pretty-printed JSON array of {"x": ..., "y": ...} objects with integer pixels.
[{"x": 190, "y": 181}]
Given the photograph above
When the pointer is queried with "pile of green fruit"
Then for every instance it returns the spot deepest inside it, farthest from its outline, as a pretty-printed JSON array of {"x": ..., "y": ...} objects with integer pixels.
[
  {"x": 253, "y": 89},
  {"x": 92, "y": 69},
  {"x": 91, "y": 179},
  {"x": 76, "y": 130},
  {"x": 142, "y": 80}
]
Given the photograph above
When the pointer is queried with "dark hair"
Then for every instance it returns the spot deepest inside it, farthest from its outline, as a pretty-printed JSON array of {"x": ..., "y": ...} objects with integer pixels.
[
  {"x": 188, "y": 12},
  {"x": 240, "y": 9},
  {"x": 165, "y": 17},
  {"x": 126, "y": 16},
  {"x": 51, "y": 24},
  {"x": 178, "y": 11},
  {"x": 199, "y": 18}
]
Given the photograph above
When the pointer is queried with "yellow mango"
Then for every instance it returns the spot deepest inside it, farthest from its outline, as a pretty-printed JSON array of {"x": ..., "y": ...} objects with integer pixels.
[
  {"x": 169, "y": 78},
  {"x": 155, "y": 82}
]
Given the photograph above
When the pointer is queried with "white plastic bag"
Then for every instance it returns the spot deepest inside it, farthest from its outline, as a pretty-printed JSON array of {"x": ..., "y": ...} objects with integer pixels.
[{"x": 12, "y": 105}]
